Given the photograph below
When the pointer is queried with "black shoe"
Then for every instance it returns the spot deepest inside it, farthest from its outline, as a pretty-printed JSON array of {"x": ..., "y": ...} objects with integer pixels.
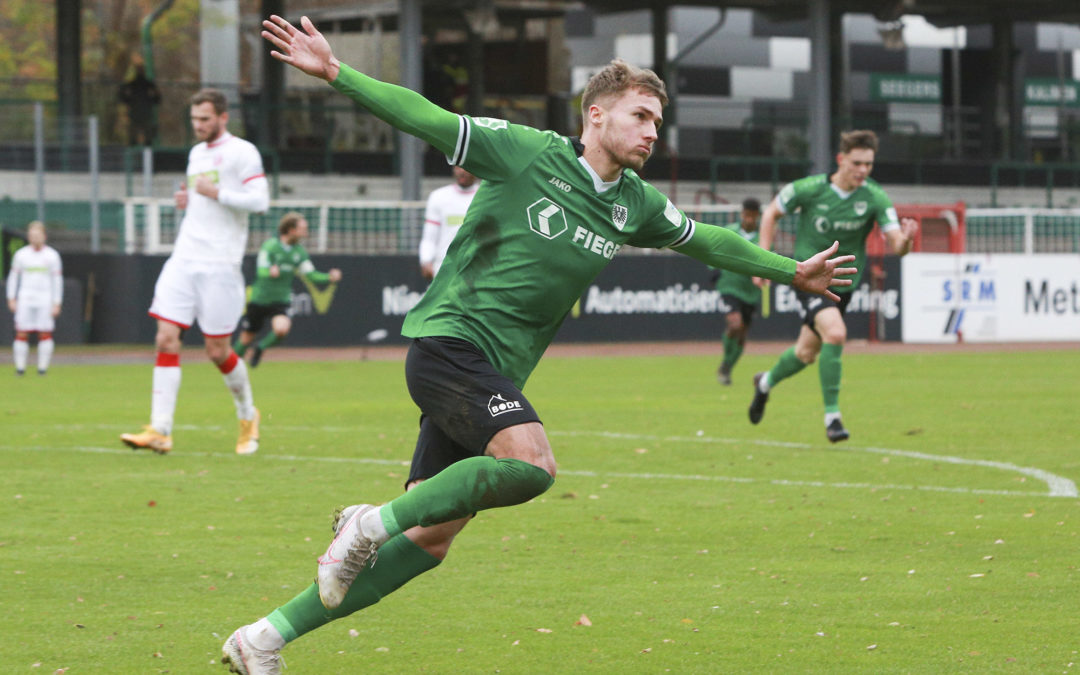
[
  {"x": 20, "y": 373},
  {"x": 41, "y": 371},
  {"x": 836, "y": 431},
  {"x": 757, "y": 406},
  {"x": 256, "y": 355},
  {"x": 723, "y": 374}
]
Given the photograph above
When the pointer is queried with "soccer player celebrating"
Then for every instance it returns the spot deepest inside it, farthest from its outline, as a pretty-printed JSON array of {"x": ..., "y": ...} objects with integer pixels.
[
  {"x": 445, "y": 212},
  {"x": 279, "y": 259},
  {"x": 844, "y": 207},
  {"x": 201, "y": 281},
  {"x": 739, "y": 295},
  {"x": 35, "y": 291},
  {"x": 550, "y": 214}
]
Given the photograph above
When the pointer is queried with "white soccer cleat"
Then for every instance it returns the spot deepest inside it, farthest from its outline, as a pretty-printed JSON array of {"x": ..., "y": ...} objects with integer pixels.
[
  {"x": 149, "y": 439},
  {"x": 346, "y": 556},
  {"x": 244, "y": 658},
  {"x": 247, "y": 443}
]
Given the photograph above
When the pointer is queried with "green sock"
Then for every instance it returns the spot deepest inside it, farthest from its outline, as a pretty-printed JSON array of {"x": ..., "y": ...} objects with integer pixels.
[
  {"x": 400, "y": 560},
  {"x": 239, "y": 348},
  {"x": 732, "y": 351},
  {"x": 269, "y": 340},
  {"x": 785, "y": 367},
  {"x": 829, "y": 370},
  {"x": 462, "y": 489}
]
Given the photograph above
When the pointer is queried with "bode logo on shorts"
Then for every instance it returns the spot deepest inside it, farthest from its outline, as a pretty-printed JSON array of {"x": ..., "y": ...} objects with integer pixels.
[{"x": 498, "y": 405}]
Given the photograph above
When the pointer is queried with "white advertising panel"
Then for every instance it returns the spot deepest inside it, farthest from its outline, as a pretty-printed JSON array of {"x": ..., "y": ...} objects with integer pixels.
[{"x": 990, "y": 298}]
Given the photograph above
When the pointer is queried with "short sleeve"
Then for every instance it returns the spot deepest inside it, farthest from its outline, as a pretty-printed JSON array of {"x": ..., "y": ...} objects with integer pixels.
[
  {"x": 887, "y": 218},
  {"x": 788, "y": 198}
]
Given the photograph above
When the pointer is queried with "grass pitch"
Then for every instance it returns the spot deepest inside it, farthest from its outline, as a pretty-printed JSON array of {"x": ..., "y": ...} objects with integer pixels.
[{"x": 678, "y": 538}]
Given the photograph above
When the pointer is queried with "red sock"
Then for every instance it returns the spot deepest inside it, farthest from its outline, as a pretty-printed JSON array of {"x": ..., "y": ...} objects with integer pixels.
[
  {"x": 168, "y": 360},
  {"x": 229, "y": 363}
]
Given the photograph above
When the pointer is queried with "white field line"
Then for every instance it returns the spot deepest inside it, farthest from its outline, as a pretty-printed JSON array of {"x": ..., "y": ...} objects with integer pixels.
[{"x": 1058, "y": 486}]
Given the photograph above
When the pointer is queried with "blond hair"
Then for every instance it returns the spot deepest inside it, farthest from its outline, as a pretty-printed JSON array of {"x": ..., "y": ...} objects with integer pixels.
[
  {"x": 618, "y": 77},
  {"x": 289, "y": 222}
]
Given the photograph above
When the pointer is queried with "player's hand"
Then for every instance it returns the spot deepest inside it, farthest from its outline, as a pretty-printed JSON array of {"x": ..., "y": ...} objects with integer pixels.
[
  {"x": 759, "y": 282},
  {"x": 427, "y": 270},
  {"x": 335, "y": 275},
  {"x": 274, "y": 272},
  {"x": 910, "y": 227},
  {"x": 55, "y": 311},
  {"x": 306, "y": 50},
  {"x": 817, "y": 273},
  {"x": 11, "y": 305},
  {"x": 206, "y": 187},
  {"x": 180, "y": 197}
]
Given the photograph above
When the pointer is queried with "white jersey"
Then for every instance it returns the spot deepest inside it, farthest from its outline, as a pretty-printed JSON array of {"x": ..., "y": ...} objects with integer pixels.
[
  {"x": 217, "y": 230},
  {"x": 443, "y": 217},
  {"x": 36, "y": 278}
]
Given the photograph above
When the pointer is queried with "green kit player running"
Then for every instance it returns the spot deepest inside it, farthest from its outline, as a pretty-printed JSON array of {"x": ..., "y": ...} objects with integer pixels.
[
  {"x": 844, "y": 207},
  {"x": 550, "y": 214},
  {"x": 279, "y": 260},
  {"x": 739, "y": 295}
]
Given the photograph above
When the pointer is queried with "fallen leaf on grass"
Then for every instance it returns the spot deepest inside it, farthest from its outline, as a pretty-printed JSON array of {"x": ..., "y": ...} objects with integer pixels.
[{"x": 583, "y": 621}]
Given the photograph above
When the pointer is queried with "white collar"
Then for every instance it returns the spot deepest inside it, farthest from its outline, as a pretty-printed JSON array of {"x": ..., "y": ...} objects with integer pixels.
[{"x": 599, "y": 184}]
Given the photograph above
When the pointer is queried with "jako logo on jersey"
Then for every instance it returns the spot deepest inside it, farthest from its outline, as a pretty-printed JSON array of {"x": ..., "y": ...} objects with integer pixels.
[
  {"x": 561, "y": 184},
  {"x": 498, "y": 405},
  {"x": 619, "y": 214},
  {"x": 546, "y": 218},
  {"x": 490, "y": 123}
]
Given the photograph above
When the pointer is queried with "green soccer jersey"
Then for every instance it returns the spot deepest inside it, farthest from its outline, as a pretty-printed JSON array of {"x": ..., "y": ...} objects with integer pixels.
[
  {"x": 827, "y": 215},
  {"x": 740, "y": 285},
  {"x": 540, "y": 228},
  {"x": 537, "y": 232},
  {"x": 268, "y": 290}
]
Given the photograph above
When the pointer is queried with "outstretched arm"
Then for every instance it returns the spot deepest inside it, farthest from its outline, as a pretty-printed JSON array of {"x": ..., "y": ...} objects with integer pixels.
[
  {"x": 308, "y": 51},
  {"x": 901, "y": 240},
  {"x": 719, "y": 247}
]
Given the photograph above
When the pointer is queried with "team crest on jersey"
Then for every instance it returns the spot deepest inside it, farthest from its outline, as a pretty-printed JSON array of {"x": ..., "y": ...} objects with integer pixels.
[
  {"x": 860, "y": 208},
  {"x": 619, "y": 214}
]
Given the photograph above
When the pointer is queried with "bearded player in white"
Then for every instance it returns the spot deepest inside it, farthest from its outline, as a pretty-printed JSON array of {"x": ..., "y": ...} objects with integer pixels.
[
  {"x": 35, "y": 291},
  {"x": 201, "y": 280},
  {"x": 443, "y": 217}
]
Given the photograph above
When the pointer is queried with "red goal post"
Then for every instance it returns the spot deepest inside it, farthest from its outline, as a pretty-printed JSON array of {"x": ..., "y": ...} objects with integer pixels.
[{"x": 941, "y": 230}]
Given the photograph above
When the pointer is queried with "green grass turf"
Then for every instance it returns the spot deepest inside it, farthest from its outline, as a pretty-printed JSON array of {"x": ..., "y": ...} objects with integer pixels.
[{"x": 692, "y": 541}]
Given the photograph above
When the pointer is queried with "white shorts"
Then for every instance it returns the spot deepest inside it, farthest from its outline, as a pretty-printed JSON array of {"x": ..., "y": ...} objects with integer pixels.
[
  {"x": 210, "y": 293},
  {"x": 31, "y": 317}
]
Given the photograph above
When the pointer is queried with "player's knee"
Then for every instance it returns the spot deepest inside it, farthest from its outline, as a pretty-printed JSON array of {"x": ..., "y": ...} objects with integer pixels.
[
  {"x": 835, "y": 335},
  {"x": 218, "y": 352},
  {"x": 167, "y": 341}
]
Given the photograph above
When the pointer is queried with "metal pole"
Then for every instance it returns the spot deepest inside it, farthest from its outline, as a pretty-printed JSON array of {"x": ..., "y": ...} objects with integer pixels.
[
  {"x": 148, "y": 171},
  {"x": 958, "y": 119},
  {"x": 410, "y": 148},
  {"x": 820, "y": 105},
  {"x": 95, "y": 185},
  {"x": 39, "y": 158}
]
